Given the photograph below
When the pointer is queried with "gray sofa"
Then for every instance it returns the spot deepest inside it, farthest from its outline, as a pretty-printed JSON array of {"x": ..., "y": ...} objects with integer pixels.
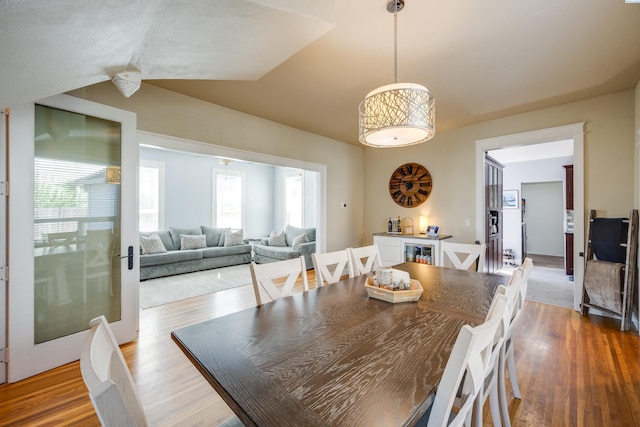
[
  {"x": 177, "y": 260},
  {"x": 264, "y": 253}
]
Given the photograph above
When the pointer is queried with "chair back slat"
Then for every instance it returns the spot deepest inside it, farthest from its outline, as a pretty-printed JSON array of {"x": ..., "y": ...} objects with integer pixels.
[
  {"x": 463, "y": 256},
  {"x": 106, "y": 375},
  {"x": 268, "y": 278},
  {"x": 365, "y": 259},
  {"x": 330, "y": 266}
]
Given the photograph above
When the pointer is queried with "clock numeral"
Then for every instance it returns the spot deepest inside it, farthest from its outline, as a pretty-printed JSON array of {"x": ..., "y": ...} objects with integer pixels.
[
  {"x": 402, "y": 199},
  {"x": 424, "y": 175},
  {"x": 418, "y": 199},
  {"x": 397, "y": 194},
  {"x": 394, "y": 186},
  {"x": 418, "y": 169},
  {"x": 410, "y": 201},
  {"x": 402, "y": 172},
  {"x": 410, "y": 169},
  {"x": 425, "y": 184},
  {"x": 423, "y": 192}
]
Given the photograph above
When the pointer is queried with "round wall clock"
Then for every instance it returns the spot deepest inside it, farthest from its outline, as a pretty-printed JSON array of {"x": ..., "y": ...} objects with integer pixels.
[{"x": 410, "y": 185}]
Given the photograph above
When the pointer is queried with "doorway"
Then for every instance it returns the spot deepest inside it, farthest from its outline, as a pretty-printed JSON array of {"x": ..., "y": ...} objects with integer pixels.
[{"x": 574, "y": 133}]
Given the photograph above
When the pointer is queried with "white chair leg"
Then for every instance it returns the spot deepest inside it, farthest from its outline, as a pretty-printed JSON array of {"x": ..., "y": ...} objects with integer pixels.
[
  {"x": 512, "y": 372},
  {"x": 494, "y": 405},
  {"x": 502, "y": 392}
]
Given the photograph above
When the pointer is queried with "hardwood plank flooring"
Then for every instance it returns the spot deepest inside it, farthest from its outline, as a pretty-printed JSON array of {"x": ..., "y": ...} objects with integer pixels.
[{"x": 572, "y": 370}]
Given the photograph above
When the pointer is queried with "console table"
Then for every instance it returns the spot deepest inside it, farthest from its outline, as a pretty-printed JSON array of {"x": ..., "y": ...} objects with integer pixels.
[{"x": 393, "y": 247}]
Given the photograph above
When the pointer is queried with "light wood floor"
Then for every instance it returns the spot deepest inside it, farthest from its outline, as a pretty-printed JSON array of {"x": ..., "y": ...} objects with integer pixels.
[{"x": 572, "y": 370}]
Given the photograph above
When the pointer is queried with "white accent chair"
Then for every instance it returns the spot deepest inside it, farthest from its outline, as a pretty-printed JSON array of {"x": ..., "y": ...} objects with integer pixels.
[
  {"x": 105, "y": 372},
  {"x": 365, "y": 259},
  {"x": 463, "y": 256},
  {"x": 330, "y": 266},
  {"x": 469, "y": 359},
  {"x": 263, "y": 276}
]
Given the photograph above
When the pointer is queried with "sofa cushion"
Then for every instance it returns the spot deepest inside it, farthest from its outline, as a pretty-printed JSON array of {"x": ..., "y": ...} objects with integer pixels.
[
  {"x": 169, "y": 257},
  {"x": 298, "y": 241},
  {"x": 215, "y": 236},
  {"x": 165, "y": 236},
  {"x": 276, "y": 252},
  {"x": 176, "y": 232},
  {"x": 277, "y": 239},
  {"x": 225, "y": 250},
  {"x": 151, "y": 244},
  {"x": 233, "y": 237},
  {"x": 192, "y": 242},
  {"x": 292, "y": 232}
]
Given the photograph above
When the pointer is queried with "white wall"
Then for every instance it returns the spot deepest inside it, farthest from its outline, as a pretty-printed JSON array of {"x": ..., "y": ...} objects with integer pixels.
[
  {"x": 362, "y": 180},
  {"x": 544, "y": 218},
  {"x": 189, "y": 190},
  {"x": 167, "y": 113},
  {"x": 450, "y": 157},
  {"x": 514, "y": 174}
]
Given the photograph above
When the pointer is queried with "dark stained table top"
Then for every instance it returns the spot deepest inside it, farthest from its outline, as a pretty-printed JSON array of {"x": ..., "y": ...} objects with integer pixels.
[{"x": 334, "y": 356}]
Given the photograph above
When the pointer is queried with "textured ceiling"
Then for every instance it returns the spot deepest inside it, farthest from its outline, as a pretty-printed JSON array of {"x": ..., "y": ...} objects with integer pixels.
[{"x": 308, "y": 65}]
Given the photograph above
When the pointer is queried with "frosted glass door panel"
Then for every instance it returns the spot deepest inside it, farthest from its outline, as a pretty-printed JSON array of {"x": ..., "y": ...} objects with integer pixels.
[{"x": 76, "y": 222}]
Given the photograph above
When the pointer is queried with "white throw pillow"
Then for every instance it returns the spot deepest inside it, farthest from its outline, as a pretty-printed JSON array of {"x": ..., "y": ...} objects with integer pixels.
[
  {"x": 299, "y": 240},
  {"x": 233, "y": 237},
  {"x": 151, "y": 244},
  {"x": 277, "y": 239},
  {"x": 193, "y": 241}
]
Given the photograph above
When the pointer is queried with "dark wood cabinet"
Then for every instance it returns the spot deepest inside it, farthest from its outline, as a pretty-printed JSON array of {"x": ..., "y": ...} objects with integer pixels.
[
  {"x": 493, "y": 206},
  {"x": 568, "y": 235},
  {"x": 568, "y": 171}
]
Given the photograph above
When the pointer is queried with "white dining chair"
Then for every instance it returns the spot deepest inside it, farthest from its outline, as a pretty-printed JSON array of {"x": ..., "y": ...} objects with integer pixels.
[
  {"x": 111, "y": 387},
  {"x": 364, "y": 259},
  {"x": 464, "y": 371},
  {"x": 267, "y": 278},
  {"x": 106, "y": 375},
  {"x": 491, "y": 384},
  {"x": 329, "y": 267},
  {"x": 515, "y": 292},
  {"x": 463, "y": 256}
]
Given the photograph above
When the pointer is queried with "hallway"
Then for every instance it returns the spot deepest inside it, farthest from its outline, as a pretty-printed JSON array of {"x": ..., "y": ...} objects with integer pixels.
[{"x": 548, "y": 283}]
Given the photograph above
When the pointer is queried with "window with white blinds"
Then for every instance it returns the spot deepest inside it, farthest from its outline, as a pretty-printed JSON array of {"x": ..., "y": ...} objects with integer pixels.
[
  {"x": 294, "y": 197},
  {"x": 229, "y": 186},
  {"x": 151, "y": 195}
]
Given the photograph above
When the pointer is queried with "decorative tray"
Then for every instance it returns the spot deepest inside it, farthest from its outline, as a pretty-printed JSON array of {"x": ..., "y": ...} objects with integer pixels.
[{"x": 412, "y": 294}]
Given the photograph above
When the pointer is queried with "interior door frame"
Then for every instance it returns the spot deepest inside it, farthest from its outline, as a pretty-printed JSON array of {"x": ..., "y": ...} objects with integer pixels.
[
  {"x": 25, "y": 358},
  {"x": 575, "y": 132},
  {"x": 3, "y": 244}
]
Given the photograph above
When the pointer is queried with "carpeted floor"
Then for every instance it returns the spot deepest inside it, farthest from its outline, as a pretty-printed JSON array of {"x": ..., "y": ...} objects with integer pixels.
[
  {"x": 548, "y": 282},
  {"x": 163, "y": 290}
]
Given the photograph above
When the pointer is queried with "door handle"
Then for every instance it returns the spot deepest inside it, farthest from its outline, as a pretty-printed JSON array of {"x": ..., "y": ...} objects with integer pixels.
[{"x": 130, "y": 258}]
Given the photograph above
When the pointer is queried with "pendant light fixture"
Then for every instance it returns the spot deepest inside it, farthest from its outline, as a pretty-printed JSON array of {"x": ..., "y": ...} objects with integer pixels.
[{"x": 398, "y": 114}]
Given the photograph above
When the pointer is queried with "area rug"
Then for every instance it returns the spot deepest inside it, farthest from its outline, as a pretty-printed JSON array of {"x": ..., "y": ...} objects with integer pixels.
[
  {"x": 163, "y": 290},
  {"x": 548, "y": 286}
]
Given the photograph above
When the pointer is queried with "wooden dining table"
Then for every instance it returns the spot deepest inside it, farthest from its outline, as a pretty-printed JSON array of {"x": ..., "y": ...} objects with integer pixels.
[{"x": 334, "y": 356}]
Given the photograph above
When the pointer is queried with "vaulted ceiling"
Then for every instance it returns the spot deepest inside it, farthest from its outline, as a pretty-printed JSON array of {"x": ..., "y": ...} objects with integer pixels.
[{"x": 309, "y": 63}]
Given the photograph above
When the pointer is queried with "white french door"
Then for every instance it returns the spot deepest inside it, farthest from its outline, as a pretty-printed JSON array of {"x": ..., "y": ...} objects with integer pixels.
[{"x": 73, "y": 229}]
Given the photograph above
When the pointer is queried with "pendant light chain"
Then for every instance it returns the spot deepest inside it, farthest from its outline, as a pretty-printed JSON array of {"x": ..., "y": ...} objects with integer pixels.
[{"x": 395, "y": 45}]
